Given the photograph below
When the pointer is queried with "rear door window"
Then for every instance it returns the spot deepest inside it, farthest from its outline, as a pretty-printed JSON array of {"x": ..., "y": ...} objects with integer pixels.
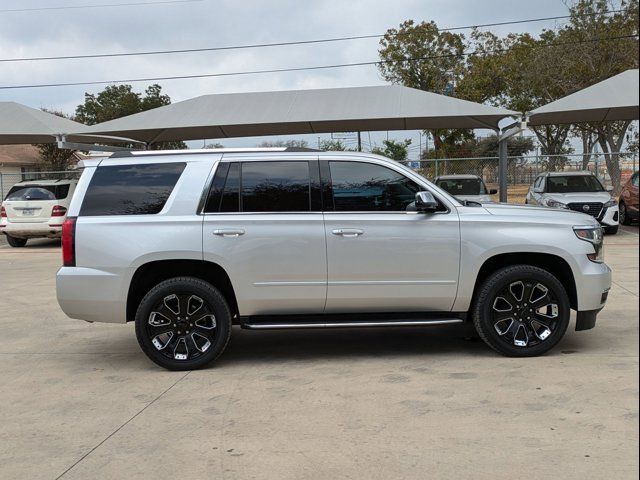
[
  {"x": 130, "y": 189},
  {"x": 260, "y": 187},
  {"x": 38, "y": 192}
]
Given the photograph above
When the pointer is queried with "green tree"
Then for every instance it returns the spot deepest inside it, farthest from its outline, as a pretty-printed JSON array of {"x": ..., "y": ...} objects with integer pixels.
[
  {"x": 396, "y": 150},
  {"x": 52, "y": 158},
  {"x": 424, "y": 57},
  {"x": 117, "y": 101}
]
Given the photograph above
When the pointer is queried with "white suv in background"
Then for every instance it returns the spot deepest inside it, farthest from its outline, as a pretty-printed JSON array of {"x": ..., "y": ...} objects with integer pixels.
[
  {"x": 577, "y": 191},
  {"x": 34, "y": 209},
  {"x": 185, "y": 244}
]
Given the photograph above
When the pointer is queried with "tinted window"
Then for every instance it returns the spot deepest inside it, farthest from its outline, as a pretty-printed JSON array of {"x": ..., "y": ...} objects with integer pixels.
[
  {"x": 38, "y": 192},
  {"x": 130, "y": 189},
  {"x": 367, "y": 187},
  {"x": 634, "y": 180},
  {"x": 231, "y": 193},
  {"x": 463, "y": 186},
  {"x": 573, "y": 184},
  {"x": 275, "y": 187}
]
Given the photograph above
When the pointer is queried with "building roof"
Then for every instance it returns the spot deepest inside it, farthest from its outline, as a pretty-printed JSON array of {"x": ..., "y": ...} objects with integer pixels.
[
  {"x": 388, "y": 107},
  {"x": 613, "y": 99},
  {"x": 19, "y": 155}
]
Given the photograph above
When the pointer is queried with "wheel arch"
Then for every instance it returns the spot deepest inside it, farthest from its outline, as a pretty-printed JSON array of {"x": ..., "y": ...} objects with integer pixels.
[
  {"x": 553, "y": 264},
  {"x": 150, "y": 274}
]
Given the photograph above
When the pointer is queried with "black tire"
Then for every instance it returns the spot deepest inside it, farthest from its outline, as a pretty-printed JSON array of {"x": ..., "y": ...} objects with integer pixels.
[
  {"x": 16, "y": 242},
  {"x": 611, "y": 230},
  {"x": 625, "y": 219},
  {"x": 182, "y": 333},
  {"x": 507, "y": 336}
]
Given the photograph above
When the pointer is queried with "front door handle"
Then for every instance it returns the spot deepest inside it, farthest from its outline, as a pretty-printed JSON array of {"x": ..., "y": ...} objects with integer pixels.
[
  {"x": 228, "y": 232},
  {"x": 348, "y": 232}
]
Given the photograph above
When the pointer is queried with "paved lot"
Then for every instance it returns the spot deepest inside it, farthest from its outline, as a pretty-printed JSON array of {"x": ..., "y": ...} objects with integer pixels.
[{"x": 81, "y": 401}]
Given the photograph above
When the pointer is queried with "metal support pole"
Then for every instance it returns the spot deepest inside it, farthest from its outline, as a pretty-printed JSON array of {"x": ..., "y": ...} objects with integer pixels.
[
  {"x": 359, "y": 142},
  {"x": 502, "y": 169}
]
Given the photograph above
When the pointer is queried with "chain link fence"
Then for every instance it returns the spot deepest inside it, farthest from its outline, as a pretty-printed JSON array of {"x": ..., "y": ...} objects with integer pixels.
[{"x": 8, "y": 180}]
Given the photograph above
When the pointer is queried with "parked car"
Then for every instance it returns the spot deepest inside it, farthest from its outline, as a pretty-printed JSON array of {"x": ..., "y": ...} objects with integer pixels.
[
  {"x": 466, "y": 187},
  {"x": 34, "y": 209},
  {"x": 628, "y": 203},
  {"x": 578, "y": 191},
  {"x": 185, "y": 244}
]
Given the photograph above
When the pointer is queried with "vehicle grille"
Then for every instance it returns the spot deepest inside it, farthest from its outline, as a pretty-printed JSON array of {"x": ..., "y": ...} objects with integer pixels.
[{"x": 594, "y": 209}]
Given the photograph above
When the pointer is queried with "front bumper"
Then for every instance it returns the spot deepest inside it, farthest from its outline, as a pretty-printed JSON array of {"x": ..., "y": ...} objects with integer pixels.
[
  {"x": 586, "y": 320},
  {"x": 610, "y": 217}
]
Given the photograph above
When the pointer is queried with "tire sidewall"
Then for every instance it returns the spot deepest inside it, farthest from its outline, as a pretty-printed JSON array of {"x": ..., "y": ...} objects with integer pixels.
[
  {"x": 184, "y": 285},
  {"x": 499, "y": 280}
]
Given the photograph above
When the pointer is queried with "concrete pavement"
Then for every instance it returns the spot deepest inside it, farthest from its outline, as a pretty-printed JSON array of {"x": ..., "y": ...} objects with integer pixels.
[{"x": 80, "y": 400}]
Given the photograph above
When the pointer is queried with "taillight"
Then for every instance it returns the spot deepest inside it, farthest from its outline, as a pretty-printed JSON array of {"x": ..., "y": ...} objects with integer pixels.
[
  {"x": 69, "y": 242},
  {"x": 58, "y": 211},
  {"x": 3, "y": 212}
]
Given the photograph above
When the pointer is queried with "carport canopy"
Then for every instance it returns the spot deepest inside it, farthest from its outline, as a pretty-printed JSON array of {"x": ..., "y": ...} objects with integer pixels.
[
  {"x": 613, "y": 99},
  {"x": 389, "y": 107},
  {"x": 20, "y": 124}
]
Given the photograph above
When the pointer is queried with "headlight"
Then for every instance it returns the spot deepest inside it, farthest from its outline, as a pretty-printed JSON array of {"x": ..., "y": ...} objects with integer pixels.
[
  {"x": 595, "y": 237},
  {"x": 610, "y": 203},
  {"x": 555, "y": 204}
]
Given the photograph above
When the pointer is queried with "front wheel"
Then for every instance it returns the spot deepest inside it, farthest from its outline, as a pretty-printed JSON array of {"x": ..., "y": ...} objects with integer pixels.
[
  {"x": 16, "y": 242},
  {"x": 521, "y": 311},
  {"x": 625, "y": 219},
  {"x": 183, "y": 323}
]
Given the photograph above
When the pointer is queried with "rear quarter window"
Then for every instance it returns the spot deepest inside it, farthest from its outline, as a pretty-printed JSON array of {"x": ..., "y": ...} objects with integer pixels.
[{"x": 130, "y": 189}]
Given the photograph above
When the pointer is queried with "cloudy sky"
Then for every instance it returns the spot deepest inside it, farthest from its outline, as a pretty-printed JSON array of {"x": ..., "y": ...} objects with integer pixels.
[{"x": 26, "y": 31}]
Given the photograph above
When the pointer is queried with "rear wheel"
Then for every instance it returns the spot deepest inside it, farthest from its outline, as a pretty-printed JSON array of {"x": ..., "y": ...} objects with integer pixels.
[
  {"x": 183, "y": 323},
  {"x": 16, "y": 242},
  {"x": 625, "y": 219},
  {"x": 521, "y": 311}
]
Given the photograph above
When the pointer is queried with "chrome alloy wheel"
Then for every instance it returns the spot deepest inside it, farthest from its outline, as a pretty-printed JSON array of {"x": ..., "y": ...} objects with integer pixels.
[
  {"x": 182, "y": 326},
  {"x": 525, "y": 313}
]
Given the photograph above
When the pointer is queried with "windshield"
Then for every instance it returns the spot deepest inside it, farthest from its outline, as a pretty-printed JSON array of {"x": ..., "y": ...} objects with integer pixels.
[
  {"x": 462, "y": 186},
  {"x": 38, "y": 192},
  {"x": 574, "y": 184}
]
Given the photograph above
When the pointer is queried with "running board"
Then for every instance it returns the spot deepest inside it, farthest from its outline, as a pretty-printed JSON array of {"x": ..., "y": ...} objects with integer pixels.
[{"x": 350, "y": 324}]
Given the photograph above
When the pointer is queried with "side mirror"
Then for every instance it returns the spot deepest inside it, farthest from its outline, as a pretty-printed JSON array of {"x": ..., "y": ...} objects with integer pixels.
[
  {"x": 538, "y": 190},
  {"x": 426, "y": 202},
  {"x": 493, "y": 191},
  {"x": 609, "y": 189}
]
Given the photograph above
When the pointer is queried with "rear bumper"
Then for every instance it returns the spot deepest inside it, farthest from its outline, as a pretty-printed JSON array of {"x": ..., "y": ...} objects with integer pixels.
[
  {"x": 32, "y": 230},
  {"x": 91, "y": 295}
]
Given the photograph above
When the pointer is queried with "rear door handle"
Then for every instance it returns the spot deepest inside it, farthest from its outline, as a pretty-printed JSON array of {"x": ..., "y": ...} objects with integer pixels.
[
  {"x": 226, "y": 232},
  {"x": 348, "y": 232}
]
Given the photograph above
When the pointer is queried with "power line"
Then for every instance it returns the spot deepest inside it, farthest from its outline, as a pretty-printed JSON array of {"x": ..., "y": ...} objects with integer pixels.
[
  {"x": 299, "y": 69},
  {"x": 98, "y": 5},
  {"x": 276, "y": 44}
]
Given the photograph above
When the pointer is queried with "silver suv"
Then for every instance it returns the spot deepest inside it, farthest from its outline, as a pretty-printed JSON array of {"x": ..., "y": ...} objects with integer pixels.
[{"x": 185, "y": 244}]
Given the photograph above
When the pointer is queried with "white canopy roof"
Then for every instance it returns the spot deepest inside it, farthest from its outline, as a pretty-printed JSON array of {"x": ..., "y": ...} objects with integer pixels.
[
  {"x": 20, "y": 124},
  {"x": 613, "y": 99},
  {"x": 389, "y": 107}
]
